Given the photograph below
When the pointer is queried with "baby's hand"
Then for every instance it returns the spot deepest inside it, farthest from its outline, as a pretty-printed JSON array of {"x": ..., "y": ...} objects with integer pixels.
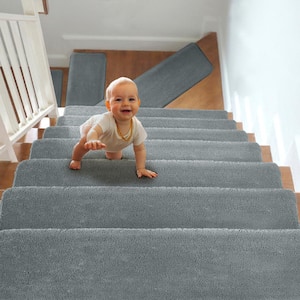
[
  {"x": 147, "y": 173},
  {"x": 94, "y": 145}
]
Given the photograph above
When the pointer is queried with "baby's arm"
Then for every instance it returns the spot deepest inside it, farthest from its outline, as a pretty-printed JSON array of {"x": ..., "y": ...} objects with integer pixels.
[
  {"x": 92, "y": 139},
  {"x": 140, "y": 158}
]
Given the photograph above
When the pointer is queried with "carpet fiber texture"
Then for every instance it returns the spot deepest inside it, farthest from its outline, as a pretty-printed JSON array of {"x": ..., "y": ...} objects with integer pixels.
[
  {"x": 172, "y": 77},
  {"x": 175, "y": 173},
  {"x": 143, "y": 207},
  {"x": 164, "y": 149},
  {"x": 149, "y": 264},
  {"x": 86, "y": 80},
  {"x": 150, "y": 112},
  {"x": 167, "y": 122},
  {"x": 230, "y": 135}
]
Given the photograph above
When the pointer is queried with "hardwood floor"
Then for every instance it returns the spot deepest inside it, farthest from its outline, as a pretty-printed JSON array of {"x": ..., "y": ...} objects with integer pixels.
[{"x": 205, "y": 95}]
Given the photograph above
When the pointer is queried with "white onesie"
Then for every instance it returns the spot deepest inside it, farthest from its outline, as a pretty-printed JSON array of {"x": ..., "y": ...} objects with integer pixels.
[{"x": 110, "y": 136}]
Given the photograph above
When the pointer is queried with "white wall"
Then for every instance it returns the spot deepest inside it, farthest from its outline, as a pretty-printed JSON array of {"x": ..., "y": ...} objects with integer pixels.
[
  {"x": 163, "y": 25},
  {"x": 166, "y": 25},
  {"x": 260, "y": 57}
]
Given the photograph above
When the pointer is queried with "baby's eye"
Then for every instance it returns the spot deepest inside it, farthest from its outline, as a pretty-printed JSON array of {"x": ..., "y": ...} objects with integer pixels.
[
  {"x": 131, "y": 99},
  {"x": 118, "y": 99}
]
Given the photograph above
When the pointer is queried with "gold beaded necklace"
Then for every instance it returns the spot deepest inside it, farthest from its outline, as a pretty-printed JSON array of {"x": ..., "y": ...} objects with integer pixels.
[{"x": 120, "y": 133}]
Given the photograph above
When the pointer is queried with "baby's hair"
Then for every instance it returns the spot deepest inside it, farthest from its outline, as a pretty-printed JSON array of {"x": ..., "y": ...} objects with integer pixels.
[{"x": 115, "y": 82}]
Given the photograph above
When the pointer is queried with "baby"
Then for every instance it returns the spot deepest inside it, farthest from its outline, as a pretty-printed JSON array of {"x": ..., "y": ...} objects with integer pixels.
[{"x": 115, "y": 129}]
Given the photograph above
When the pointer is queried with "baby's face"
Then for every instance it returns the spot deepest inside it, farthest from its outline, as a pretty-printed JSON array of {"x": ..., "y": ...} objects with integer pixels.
[{"x": 124, "y": 101}]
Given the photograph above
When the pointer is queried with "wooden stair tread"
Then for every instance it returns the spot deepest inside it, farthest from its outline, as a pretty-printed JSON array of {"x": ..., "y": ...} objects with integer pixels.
[
  {"x": 266, "y": 153},
  {"x": 251, "y": 137},
  {"x": 287, "y": 178},
  {"x": 7, "y": 172}
]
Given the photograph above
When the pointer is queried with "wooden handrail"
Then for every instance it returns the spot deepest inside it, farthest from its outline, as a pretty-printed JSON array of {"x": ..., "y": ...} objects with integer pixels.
[{"x": 45, "y": 7}]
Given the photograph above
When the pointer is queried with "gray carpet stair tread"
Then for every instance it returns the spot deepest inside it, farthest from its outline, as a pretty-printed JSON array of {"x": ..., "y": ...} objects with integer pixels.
[
  {"x": 173, "y": 76},
  {"x": 162, "y": 149},
  {"x": 150, "y": 112},
  {"x": 230, "y": 135},
  {"x": 150, "y": 264},
  {"x": 172, "y": 173},
  {"x": 86, "y": 79},
  {"x": 57, "y": 79},
  {"x": 161, "y": 122},
  {"x": 160, "y": 207}
]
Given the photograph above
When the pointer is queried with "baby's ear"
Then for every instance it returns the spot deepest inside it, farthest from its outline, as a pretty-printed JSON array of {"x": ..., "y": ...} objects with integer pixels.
[
  {"x": 107, "y": 104},
  {"x": 139, "y": 101}
]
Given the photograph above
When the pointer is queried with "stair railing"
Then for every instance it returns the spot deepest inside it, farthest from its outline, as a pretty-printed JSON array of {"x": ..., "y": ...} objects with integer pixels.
[{"x": 26, "y": 88}]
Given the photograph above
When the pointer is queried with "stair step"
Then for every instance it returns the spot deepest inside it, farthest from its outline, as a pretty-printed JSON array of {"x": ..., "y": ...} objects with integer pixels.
[
  {"x": 162, "y": 133},
  {"x": 57, "y": 79},
  {"x": 52, "y": 247},
  {"x": 164, "y": 149},
  {"x": 150, "y": 112},
  {"x": 175, "y": 173},
  {"x": 156, "y": 207},
  {"x": 286, "y": 174},
  {"x": 22, "y": 150},
  {"x": 150, "y": 264},
  {"x": 7, "y": 173},
  {"x": 86, "y": 79},
  {"x": 266, "y": 153},
  {"x": 251, "y": 137},
  {"x": 161, "y": 122},
  {"x": 172, "y": 77}
]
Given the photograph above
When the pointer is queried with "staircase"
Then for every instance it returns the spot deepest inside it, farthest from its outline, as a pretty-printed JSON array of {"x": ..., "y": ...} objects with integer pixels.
[
  {"x": 215, "y": 224},
  {"x": 219, "y": 222}
]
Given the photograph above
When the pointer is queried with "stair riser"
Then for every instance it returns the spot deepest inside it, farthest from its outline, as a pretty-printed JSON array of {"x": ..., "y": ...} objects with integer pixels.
[{"x": 97, "y": 172}]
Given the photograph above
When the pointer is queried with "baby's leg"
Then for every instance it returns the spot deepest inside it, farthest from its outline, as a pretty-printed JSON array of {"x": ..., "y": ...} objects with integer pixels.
[
  {"x": 114, "y": 155},
  {"x": 79, "y": 151}
]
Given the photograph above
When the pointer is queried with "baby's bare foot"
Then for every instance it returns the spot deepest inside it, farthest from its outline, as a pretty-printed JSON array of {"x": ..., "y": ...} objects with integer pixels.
[{"x": 75, "y": 165}]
